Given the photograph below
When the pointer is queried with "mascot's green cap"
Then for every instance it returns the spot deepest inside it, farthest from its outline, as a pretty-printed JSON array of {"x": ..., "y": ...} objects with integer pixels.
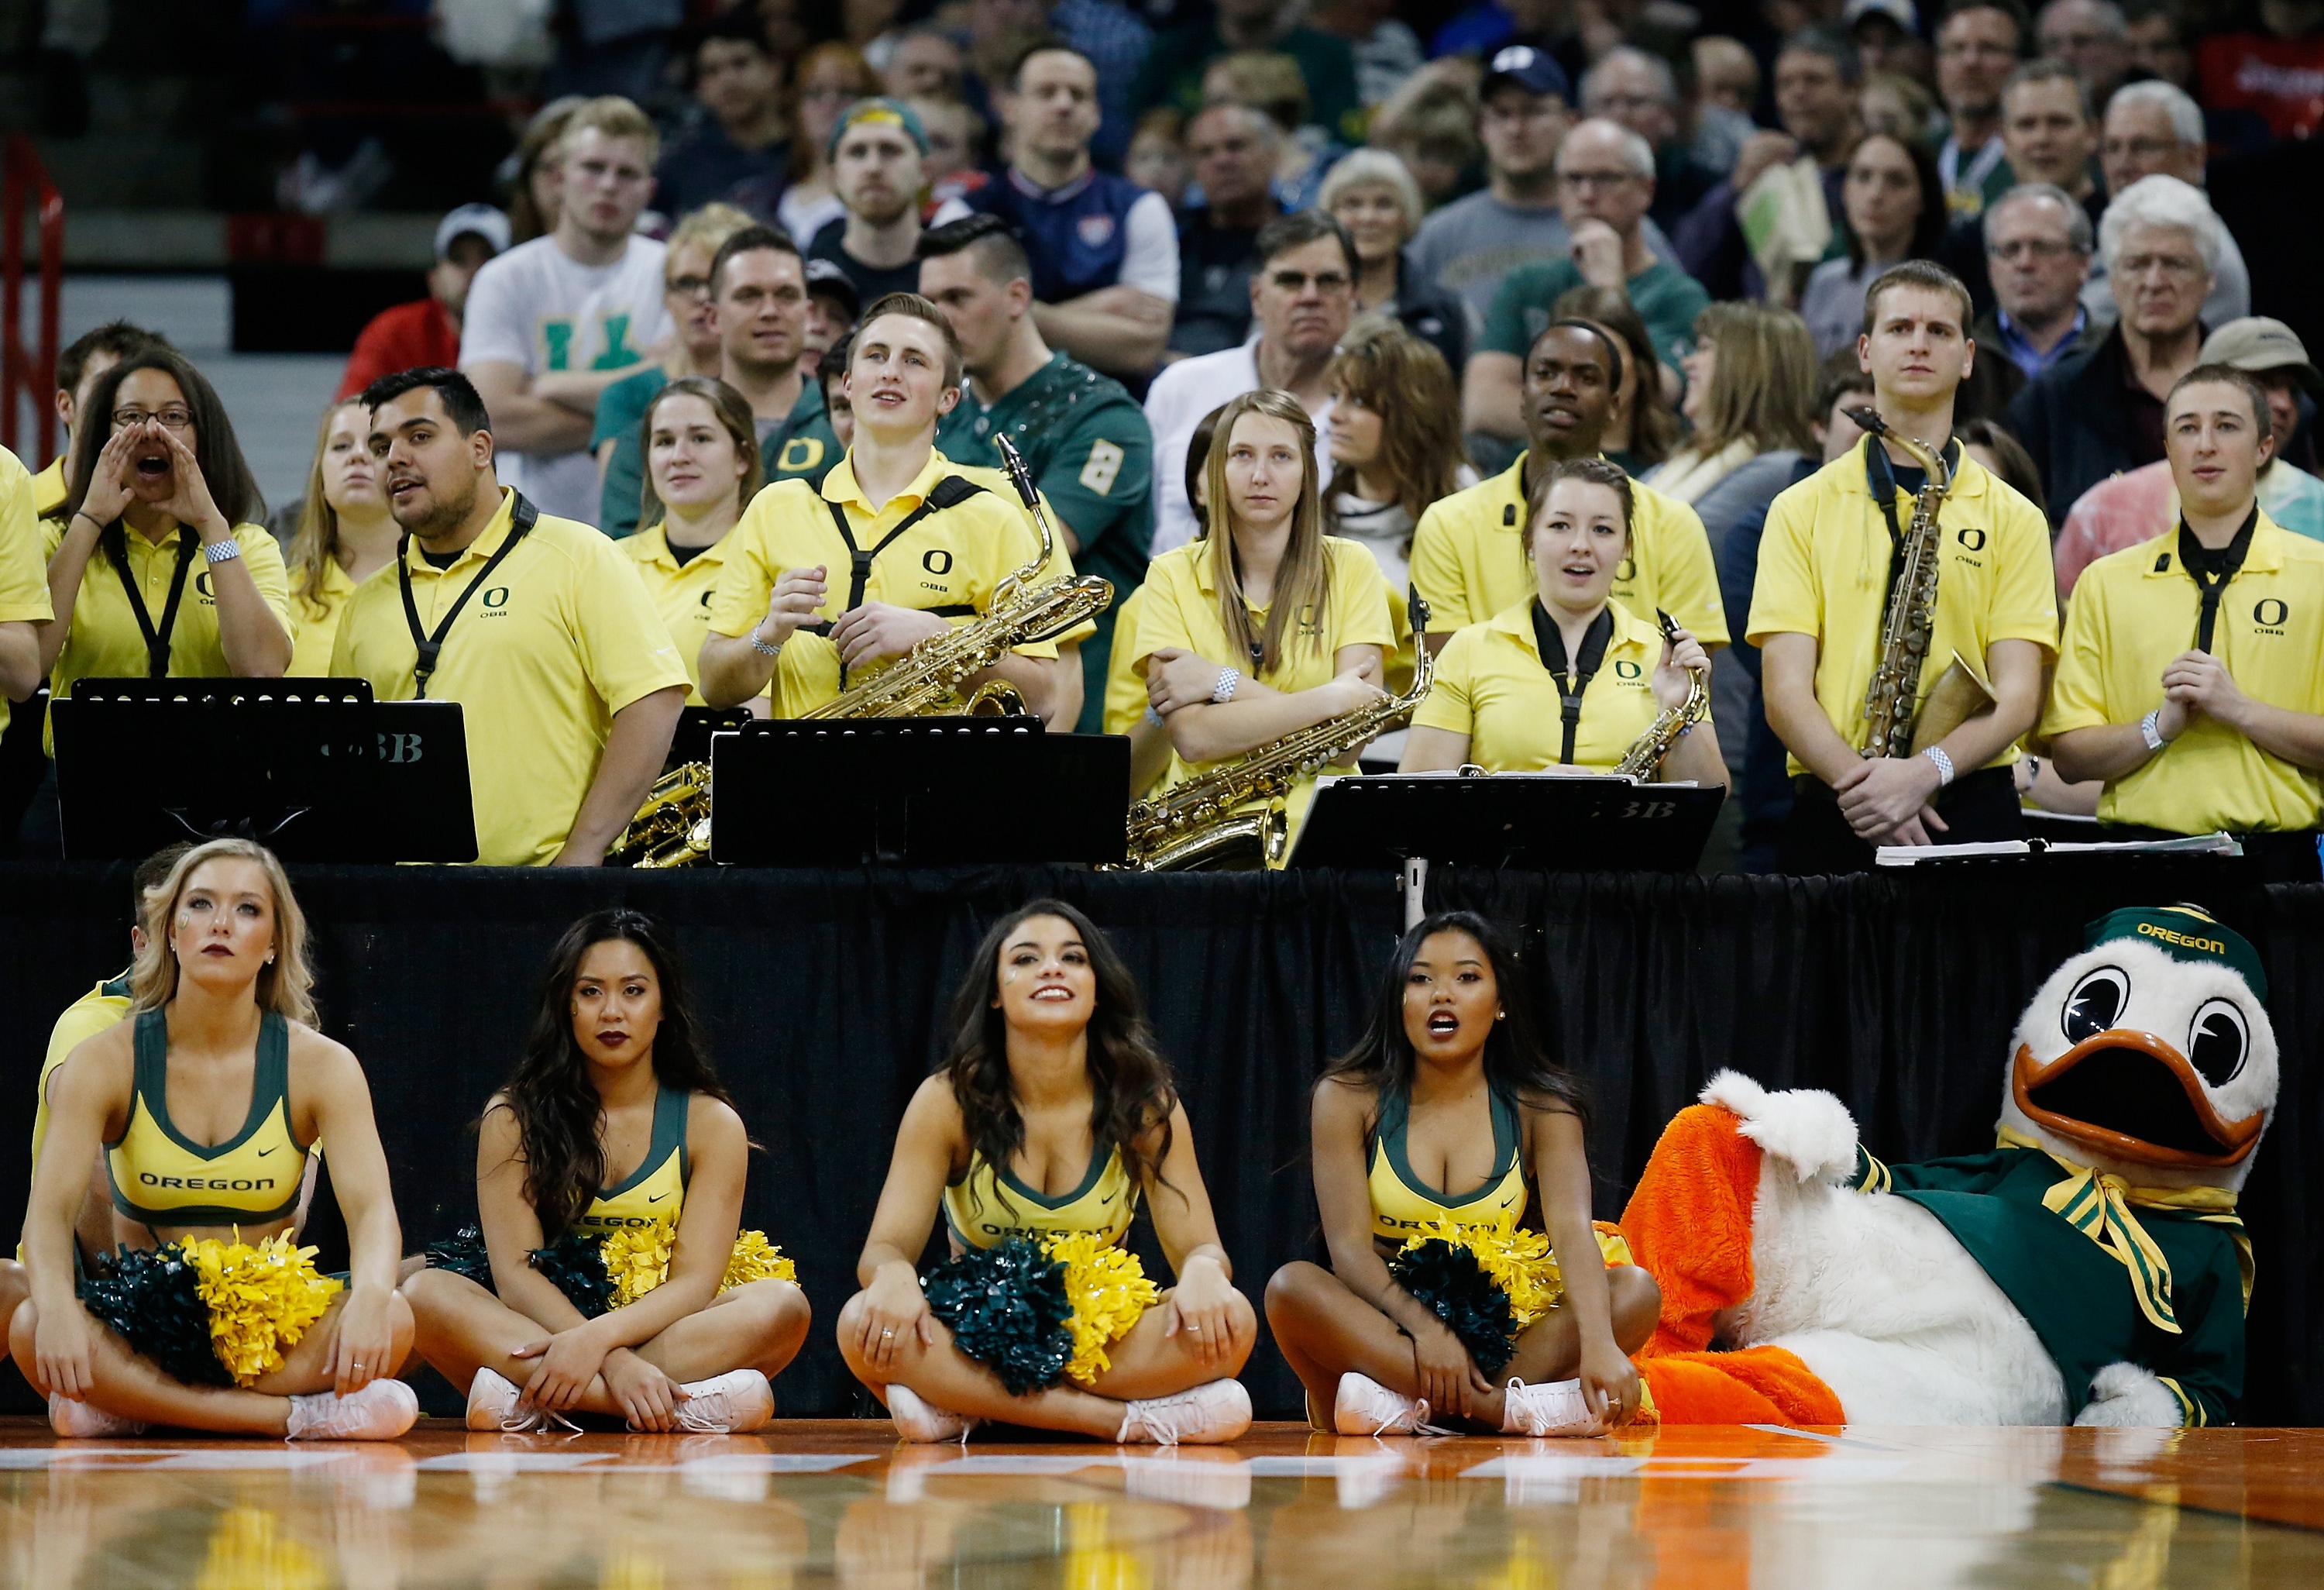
[{"x": 2185, "y": 933}]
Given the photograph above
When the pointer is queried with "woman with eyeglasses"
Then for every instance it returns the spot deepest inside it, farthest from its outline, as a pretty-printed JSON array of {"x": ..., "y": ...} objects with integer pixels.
[
  {"x": 695, "y": 351},
  {"x": 158, "y": 568}
]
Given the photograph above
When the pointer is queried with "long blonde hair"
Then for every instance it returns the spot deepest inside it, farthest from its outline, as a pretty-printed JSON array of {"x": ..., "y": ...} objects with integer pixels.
[
  {"x": 284, "y": 986},
  {"x": 314, "y": 542},
  {"x": 1764, "y": 381},
  {"x": 1304, "y": 583}
]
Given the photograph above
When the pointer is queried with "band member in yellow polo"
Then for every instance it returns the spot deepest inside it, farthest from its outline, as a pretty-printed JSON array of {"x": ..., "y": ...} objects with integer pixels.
[
  {"x": 899, "y": 544},
  {"x": 1568, "y": 677},
  {"x": 1468, "y": 551},
  {"x": 538, "y": 626},
  {"x": 2191, "y": 679},
  {"x": 701, "y": 451},
  {"x": 1822, "y": 590},
  {"x": 1265, "y": 625},
  {"x": 23, "y": 588},
  {"x": 157, "y": 490}
]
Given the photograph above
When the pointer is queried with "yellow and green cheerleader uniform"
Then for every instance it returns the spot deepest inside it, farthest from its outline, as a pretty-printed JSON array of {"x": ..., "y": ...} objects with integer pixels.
[
  {"x": 209, "y": 1312},
  {"x": 1465, "y": 1258},
  {"x": 620, "y": 1247},
  {"x": 1041, "y": 1286}
]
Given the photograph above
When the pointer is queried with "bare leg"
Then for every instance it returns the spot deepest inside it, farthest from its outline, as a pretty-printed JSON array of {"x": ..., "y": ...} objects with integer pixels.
[
  {"x": 1326, "y": 1331},
  {"x": 15, "y": 1286},
  {"x": 760, "y": 1325},
  {"x": 952, "y": 1380},
  {"x": 1551, "y": 1347},
  {"x": 1148, "y": 1363}
]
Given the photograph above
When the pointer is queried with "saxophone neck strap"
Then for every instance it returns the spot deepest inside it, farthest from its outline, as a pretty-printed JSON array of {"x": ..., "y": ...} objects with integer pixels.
[
  {"x": 430, "y": 646},
  {"x": 948, "y": 492},
  {"x": 115, "y": 540},
  {"x": 2212, "y": 571},
  {"x": 1880, "y": 478},
  {"x": 1571, "y": 678}
]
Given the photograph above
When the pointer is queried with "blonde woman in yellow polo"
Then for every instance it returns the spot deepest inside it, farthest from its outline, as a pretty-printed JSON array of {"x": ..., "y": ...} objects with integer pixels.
[
  {"x": 1266, "y": 626},
  {"x": 701, "y": 450},
  {"x": 346, "y": 535},
  {"x": 1568, "y": 677}
]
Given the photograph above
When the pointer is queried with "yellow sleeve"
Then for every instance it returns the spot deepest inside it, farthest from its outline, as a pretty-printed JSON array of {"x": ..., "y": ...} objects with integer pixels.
[
  {"x": 1163, "y": 621},
  {"x": 626, "y": 651},
  {"x": 23, "y": 569},
  {"x": 1449, "y": 704},
  {"x": 1360, "y": 592},
  {"x": 2025, "y": 587},
  {"x": 82, "y": 1021},
  {"x": 1686, "y": 577},
  {"x": 747, "y": 581},
  {"x": 1436, "y": 572},
  {"x": 1125, "y": 692},
  {"x": 2078, "y": 693},
  {"x": 262, "y": 554},
  {"x": 343, "y": 645},
  {"x": 1785, "y": 599}
]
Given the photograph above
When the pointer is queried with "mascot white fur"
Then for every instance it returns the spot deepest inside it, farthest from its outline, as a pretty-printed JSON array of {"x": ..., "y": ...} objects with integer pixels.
[{"x": 2090, "y": 1269}]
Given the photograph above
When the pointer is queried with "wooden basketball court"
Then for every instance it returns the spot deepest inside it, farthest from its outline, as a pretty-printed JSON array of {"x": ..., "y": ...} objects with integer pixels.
[{"x": 812, "y": 1503}]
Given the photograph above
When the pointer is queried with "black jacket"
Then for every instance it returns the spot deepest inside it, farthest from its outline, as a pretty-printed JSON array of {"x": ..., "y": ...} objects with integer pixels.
[
  {"x": 2076, "y": 420},
  {"x": 1433, "y": 314}
]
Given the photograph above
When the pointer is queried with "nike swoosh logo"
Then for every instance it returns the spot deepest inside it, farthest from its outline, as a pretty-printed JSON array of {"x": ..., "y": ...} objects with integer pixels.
[
  {"x": 263, "y": 1152},
  {"x": 657, "y": 1197}
]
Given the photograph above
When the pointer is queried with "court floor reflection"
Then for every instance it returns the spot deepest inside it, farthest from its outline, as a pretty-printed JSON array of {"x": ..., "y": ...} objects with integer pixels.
[{"x": 837, "y": 1503}]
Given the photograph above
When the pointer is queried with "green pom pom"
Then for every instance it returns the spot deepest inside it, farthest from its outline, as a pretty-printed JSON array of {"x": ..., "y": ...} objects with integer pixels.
[
  {"x": 1450, "y": 1283},
  {"x": 463, "y": 1253},
  {"x": 575, "y": 1267},
  {"x": 153, "y": 1297},
  {"x": 1007, "y": 1308}
]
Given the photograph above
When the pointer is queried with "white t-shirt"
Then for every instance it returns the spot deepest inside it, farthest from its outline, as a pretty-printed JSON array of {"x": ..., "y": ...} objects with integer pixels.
[
  {"x": 1150, "y": 260},
  {"x": 1175, "y": 403},
  {"x": 535, "y": 308}
]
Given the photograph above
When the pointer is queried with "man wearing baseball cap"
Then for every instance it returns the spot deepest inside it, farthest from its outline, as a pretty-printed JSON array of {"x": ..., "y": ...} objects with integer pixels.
[
  {"x": 877, "y": 171},
  {"x": 426, "y": 331}
]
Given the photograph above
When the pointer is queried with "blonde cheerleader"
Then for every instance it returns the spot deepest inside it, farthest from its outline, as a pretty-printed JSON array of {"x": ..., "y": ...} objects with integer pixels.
[
  {"x": 207, "y": 1315},
  {"x": 607, "y": 1274}
]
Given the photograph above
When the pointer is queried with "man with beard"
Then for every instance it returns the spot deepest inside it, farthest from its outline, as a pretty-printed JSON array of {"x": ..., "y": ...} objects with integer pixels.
[
  {"x": 878, "y": 152},
  {"x": 536, "y": 625},
  {"x": 1468, "y": 551},
  {"x": 1979, "y": 45}
]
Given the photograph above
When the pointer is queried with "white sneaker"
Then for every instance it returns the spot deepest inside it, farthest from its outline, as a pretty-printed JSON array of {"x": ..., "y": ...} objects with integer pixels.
[
  {"x": 1546, "y": 1407},
  {"x": 919, "y": 1420},
  {"x": 739, "y": 1399},
  {"x": 381, "y": 1411},
  {"x": 496, "y": 1408},
  {"x": 1218, "y": 1411},
  {"x": 78, "y": 1421},
  {"x": 1364, "y": 1407}
]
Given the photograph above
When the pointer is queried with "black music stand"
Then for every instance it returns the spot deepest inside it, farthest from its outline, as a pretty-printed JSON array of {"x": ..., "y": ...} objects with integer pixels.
[
  {"x": 1526, "y": 821},
  {"x": 313, "y": 769},
  {"x": 915, "y": 791},
  {"x": 695, "y": 724}
]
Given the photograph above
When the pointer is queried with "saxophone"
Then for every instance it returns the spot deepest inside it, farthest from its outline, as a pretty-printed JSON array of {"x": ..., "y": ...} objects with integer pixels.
[
  {"x": 672, "y": 828},
  {"x": 1647, "y": 753},
  {"x": 1897, "y": 721},
  {"x": 925, "y": 680},
  {"x": 1201, "y": 821}
]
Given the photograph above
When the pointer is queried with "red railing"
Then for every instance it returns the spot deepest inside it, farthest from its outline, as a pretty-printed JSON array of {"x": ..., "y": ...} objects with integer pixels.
[{"x": 23, "y": 179}]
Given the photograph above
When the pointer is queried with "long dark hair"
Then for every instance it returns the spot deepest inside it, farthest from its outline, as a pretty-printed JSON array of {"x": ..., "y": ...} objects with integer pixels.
[
  {"x": 232, "y": 485},
  {"x": 557, "y": 1109},
  {"x": 1518, "y": 1065},
  {"x": 1130, "y": 1090}
]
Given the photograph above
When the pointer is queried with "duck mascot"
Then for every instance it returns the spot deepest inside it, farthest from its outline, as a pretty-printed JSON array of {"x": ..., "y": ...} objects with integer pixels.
[{"x": 2090, "y": 1269}]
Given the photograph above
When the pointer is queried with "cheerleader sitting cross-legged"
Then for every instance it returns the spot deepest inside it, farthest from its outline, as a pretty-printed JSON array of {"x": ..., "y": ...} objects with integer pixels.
[
  {"x": 1051, "y": 1113},
  {"x": 205, "y": 1314},
  {"x": 608, "y": 1275},
  {"x": 1449, "y": 1304}
]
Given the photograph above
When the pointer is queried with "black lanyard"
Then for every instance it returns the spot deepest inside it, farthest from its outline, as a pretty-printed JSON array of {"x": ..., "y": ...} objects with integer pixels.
[
  {"x": 948, "y": 492},
  {"x": 1881, "y": 478},
  {"x": 115, "y": 541},
  {"x": 1551, "y": 640},
  {"x": 522, "y": 517},
  {"x": 2211, "y": 571}
]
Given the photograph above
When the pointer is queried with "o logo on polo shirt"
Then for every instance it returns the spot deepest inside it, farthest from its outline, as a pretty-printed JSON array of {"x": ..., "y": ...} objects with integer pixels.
[
  {"x": 496, "y": 597},
  {"x": 936, "y": 560},
  {"x": 2270, "y": 613},
  {"x": 1964, "y": 536},
  {"x": 202, "y": 585},
  {"x": 707, "y": 596},
  {"x": 1626, "y": 670}
]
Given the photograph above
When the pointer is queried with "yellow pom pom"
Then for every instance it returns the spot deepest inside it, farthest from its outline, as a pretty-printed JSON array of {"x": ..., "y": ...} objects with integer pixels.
[
  {"x": 637, "y": 1259},
  {"x": 1108, "y": 1289},
  {"x": 755, "y": 1258},
  {"x": 1520, "y": 1263},
  {"x": 262, "y": 1298}
]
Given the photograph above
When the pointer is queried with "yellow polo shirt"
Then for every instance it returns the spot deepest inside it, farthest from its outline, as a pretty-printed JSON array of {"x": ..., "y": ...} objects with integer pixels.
[
  {"x": 1182, "y": 609},
  {"x": 315, "y": 623},
  {"x": 106, "y": 643},
  {"x": 48, "y": 487},
  {"x": 1125, "y": 684},
  {"x": 23, "y": 554},
  {"x": 562, "y": 638},
  {"x": 2135, "y": 610},
  {"x": 681, "y": 594},
  {"x": 1469, "y": 561},
  {"x": 1823, "y": 571},
  {"x": 949, "y": 563},
  {"x": 1490, "y": 686}
]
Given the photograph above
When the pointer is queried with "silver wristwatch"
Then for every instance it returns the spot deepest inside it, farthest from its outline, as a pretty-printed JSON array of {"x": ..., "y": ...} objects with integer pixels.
[
  {"x": 761, "y": 648},
  {"x": 225, "y": 551},
  {"x": 1224, "y": 692}
]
